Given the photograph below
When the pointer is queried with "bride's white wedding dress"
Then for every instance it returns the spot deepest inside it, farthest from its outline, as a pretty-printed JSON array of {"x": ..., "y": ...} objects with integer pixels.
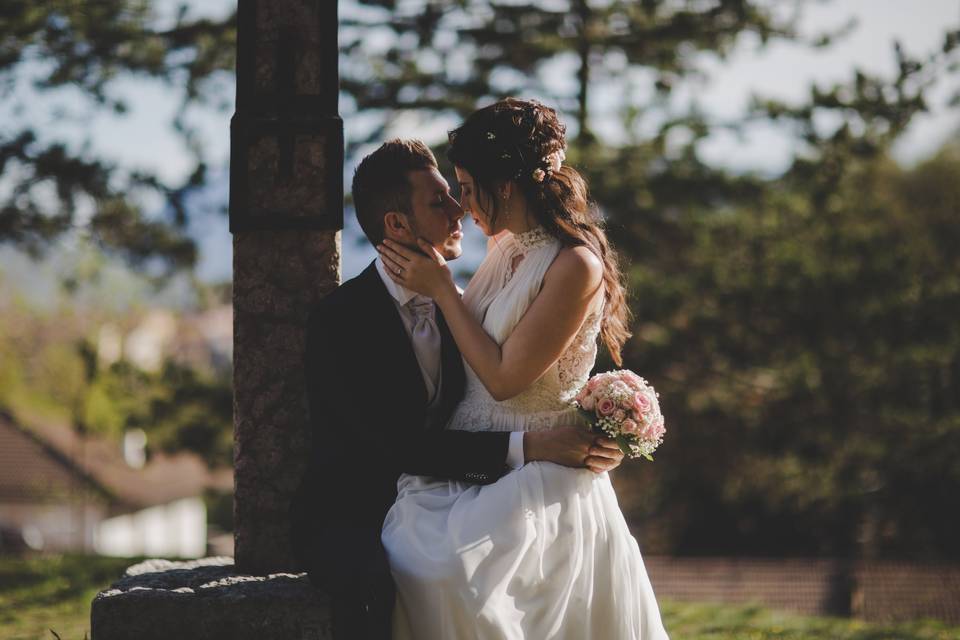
[{"x": 542, "y": 553}]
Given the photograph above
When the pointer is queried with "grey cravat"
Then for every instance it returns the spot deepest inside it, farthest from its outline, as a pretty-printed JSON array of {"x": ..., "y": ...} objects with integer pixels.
[{"x": 426, "y": 341}]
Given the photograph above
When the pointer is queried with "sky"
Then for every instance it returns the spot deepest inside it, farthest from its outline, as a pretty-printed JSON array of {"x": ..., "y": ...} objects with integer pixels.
[
  {"x": 785, "y": 71},
  {"x": 779, "y": 70},
  {"x": 782, "y": 70}
]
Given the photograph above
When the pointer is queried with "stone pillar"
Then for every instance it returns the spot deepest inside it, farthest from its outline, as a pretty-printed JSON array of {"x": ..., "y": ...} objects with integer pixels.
[{"x": 286, "y": 210}]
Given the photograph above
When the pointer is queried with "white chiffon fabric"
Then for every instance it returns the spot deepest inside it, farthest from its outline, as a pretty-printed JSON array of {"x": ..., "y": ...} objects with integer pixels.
[{"x": 542, "y": 553}]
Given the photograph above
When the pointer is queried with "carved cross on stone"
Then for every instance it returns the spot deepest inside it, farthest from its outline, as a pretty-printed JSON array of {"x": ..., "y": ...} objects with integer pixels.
[{"x": 287, "y": 141}]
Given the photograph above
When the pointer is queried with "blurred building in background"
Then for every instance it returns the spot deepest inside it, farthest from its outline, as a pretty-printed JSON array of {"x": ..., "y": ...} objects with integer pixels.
[
  {"x": 62, "y": 491},
  {"x": 202, "y": 340}
]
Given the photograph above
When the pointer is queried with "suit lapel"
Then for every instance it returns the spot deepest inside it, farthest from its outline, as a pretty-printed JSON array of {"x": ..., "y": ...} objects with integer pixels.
[
  {"x": 396, "y": 354},
  {"x": 452, "y": 366}
]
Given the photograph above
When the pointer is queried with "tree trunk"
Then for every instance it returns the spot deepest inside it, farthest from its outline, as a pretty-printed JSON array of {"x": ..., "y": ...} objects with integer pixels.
[{"x": 584, "y": 135}]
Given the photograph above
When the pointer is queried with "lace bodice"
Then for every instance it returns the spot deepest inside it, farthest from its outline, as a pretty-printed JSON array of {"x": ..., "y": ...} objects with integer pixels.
[{"x": 499, "y": 294}]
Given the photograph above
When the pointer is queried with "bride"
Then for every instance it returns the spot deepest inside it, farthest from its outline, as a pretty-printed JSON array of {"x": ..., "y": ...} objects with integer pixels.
[{"x": 544, "y": 552}]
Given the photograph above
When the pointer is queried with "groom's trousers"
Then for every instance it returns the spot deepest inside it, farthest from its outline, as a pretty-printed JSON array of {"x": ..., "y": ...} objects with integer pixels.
[
  {"x": 358, "y": 580},
  {"x": 363, "y": 616}
]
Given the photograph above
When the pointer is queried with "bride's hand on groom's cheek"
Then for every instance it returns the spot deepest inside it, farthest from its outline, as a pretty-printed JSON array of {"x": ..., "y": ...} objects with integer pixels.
[{"x": 426, "y": 272}]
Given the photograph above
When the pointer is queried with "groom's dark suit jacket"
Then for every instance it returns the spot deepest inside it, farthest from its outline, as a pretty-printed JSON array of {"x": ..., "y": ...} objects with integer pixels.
[{"x": 368, "y": 412}]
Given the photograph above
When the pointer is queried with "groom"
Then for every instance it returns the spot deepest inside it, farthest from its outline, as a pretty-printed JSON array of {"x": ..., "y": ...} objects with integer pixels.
[{"x": 383, "y": 376}]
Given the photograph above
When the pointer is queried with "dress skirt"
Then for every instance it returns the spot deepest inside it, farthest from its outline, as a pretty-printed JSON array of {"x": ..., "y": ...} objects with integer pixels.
[{"x": 542, "y": 553}]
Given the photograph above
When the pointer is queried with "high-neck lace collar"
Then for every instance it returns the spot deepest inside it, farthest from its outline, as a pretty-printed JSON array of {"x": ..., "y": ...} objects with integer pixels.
[{"x": 536, "y": 237}]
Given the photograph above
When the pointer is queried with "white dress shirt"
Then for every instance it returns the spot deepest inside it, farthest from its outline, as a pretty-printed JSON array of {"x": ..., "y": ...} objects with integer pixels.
[{"x": 401, "y": 296}]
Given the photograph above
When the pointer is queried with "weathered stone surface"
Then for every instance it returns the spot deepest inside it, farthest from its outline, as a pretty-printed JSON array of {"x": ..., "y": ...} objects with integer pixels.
[
  {"x": 301, "y": 193},
  {"x": 286, "y": 137},
  {"x": 285, "y": 213},
  {"x": 278, "y": 277},
  {"x": 299, "y": 26},
  {"x": 209, "y": 600}
]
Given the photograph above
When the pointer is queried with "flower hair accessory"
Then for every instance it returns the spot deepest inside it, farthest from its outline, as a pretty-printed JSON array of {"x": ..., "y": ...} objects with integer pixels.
[
  {"x": 555, "y": 160},
  {"x": 552, "y": 162}
]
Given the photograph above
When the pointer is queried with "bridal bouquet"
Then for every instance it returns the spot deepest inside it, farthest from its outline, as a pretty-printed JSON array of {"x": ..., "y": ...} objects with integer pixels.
[{"x": 623, "y": 406}]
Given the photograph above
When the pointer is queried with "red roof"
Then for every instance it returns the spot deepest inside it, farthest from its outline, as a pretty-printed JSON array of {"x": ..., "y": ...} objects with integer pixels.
[{"x": 48, "y": 462}]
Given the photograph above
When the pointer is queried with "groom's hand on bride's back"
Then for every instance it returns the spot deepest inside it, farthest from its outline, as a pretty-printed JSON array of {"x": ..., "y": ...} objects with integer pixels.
[{"x": 572, "y": 447}]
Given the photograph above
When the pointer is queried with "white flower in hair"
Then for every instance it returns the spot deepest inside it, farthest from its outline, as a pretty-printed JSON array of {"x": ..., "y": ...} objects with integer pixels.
[
  {"x": 555, "y": 160},
  {"x": 491, "y": 135},
  {"x": 538, "y": 175}
]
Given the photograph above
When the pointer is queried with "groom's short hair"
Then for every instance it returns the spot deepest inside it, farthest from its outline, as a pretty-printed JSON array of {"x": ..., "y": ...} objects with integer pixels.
[{"x": 380, "y": 183}]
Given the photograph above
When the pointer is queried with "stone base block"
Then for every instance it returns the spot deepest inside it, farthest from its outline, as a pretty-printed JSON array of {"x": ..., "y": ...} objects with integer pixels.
[{"x": 207, "y": 599}]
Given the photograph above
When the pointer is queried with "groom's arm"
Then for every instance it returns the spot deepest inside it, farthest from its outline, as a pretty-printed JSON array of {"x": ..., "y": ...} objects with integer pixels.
[
  {"x": 571, "y": 446},
  {"x": 341, "y": 410},
  {"x": 347, "y": 421}
]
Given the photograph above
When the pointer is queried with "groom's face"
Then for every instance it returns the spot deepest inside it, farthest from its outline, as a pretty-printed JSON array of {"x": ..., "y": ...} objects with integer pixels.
[{"x": 436, "y": 215}]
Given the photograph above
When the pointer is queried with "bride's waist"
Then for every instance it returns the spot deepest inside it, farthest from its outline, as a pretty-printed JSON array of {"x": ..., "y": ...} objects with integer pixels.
[
  {"x": 497, "y": 416},
  {"x": 545, "y": 394}
]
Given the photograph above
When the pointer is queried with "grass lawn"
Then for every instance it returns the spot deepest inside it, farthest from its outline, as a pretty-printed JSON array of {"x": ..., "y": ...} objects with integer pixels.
[
  {"x": 685, "y": 621},
  {"x": 40, "y": 594},
  {"x": 43, "y": 593}
]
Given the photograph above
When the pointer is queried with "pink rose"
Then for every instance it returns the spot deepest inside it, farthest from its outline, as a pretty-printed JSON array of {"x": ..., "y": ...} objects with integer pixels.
[
  {"x": 629, "y": 426},
  {"x": 619, "y": 415},
  {"x": 641, "y": 402},
  {"x": 606, "y": 406},
  {"x": 631, "y": 380},
  {"x": 649, "y": 432}
]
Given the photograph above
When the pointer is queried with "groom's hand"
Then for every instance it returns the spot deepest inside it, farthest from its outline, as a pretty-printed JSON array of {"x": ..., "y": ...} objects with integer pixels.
[
  {"x": 605, "y": 455},
  {"x": 572, "y": 447}
]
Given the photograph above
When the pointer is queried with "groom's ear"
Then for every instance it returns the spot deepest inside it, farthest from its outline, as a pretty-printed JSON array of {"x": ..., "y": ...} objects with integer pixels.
[{"x": 396, "y": 226}]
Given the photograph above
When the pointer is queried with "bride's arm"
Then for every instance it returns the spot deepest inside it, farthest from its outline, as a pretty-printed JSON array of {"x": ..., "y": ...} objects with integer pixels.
[{"x": 538, "y": 340}]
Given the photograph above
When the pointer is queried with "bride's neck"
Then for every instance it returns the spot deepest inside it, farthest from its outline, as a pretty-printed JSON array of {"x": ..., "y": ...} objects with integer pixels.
[{"x": 520, "y": 222}]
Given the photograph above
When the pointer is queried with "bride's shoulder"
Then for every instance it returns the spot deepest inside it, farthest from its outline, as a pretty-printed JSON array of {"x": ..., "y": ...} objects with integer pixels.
[{"x": 576, "y": 268}]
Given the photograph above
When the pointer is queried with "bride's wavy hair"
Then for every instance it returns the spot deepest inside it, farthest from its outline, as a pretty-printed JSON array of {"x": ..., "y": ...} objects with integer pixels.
[{"x": 514, "y": 140}]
